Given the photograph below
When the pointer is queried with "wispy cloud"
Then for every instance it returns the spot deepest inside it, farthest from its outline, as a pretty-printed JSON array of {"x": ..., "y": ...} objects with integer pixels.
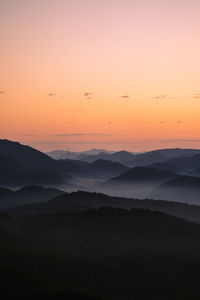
[
  {"x": 51, "y": 94},
  {"x": 161, "y": 122},
  {"x": 81, "y": 134},
  {"x": 196, "y": 96},
  {"x": 2, "y": 92},
  {"x": 87, "y": 94},
  {"x": 182, "y": 140},
  {"x": 124, "y": 96},
  {"x": 179, "y": 122},
  {"x": 160, "y": 97}
]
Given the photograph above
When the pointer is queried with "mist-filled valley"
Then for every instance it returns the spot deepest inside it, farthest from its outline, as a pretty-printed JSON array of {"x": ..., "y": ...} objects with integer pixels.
[{"x": 100, "y": 224}]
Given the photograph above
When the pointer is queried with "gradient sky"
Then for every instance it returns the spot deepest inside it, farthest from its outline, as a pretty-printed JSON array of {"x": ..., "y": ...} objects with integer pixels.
[{"x": 107, "y": 74}]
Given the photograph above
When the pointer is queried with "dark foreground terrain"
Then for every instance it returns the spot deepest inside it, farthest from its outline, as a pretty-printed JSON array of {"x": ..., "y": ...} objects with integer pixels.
[{"x": 107, "y": 253}]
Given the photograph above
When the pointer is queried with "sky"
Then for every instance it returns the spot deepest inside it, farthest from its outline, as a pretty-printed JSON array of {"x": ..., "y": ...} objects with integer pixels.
[{"x": 79, "y": 74}]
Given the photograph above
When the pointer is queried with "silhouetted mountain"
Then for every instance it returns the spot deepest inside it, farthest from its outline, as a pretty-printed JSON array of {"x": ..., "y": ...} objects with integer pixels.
[
  {"x": 188, "y": 163},
  {"x": 28, "y": 194},
  {"x": 71, "y": 166},
  {"x": 137, "y": 182},
  {"x": 62, "y": 154},
  {"x": 121, "y": 156},
  {"x": 23, "y": 165},
  {"x": 81, "y": 201},
  {"x": 101, "y": 169},
  {"x": 196, "y": 173},
  {"x": 96, "y": 151},
  {"x": 145, "y": 174},
  {"x": 159, "y": 156},
  {"x": 167, "y": 167},
  {"x": 92, "y": 158},
  {"x": 182, "y": 189}
]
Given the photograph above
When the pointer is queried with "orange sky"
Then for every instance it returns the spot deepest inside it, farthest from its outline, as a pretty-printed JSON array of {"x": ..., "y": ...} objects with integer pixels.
[{"x": 138, "y": 61}]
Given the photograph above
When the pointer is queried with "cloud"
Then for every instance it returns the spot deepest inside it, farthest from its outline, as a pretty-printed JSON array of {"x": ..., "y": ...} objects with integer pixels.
[
  {"x": 81, "y": 134},
  {"x": 160, "y": 97},
  {"x": 178, "y": 122},
  {"x": 2, "y": 92},
  {"x": 161, "y": 122},
  {"x": 87, "y": 94},
  {"x": 124, "y": 96},
  {"x": 196, "y": 96},
  {"x": 109, "y": 123},
  {"x": 51, "y": 94},
  {"x": 183, "y": 140}
]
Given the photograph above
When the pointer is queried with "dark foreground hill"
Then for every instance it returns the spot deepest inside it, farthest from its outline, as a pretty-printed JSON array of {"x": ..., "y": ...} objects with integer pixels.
[{"x": 107, "y": 253}]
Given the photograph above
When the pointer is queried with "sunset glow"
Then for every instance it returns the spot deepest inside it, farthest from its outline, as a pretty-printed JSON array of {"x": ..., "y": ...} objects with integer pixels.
[{"x": 108, "y": 74}]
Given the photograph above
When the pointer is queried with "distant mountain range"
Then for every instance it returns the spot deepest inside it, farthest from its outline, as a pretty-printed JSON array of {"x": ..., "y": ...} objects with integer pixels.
[
  {"x": 154, "y": 174},
  {"x": 63, "y": 154},
  {"x": 180, "y": 158}
]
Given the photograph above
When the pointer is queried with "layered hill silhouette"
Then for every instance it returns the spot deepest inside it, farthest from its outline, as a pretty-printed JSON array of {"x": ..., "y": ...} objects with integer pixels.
[
  {"x": 159, "y": 156},
  {"x": 22, "y": 165},
  {"x": 168, "y": 167},
  {"x": 101, "y": 169},
  {"x": 63, "y": 154},
  {"x": 141, "y": 159},
  {"x": 121, "y": 156},
  {"x": 25, "y": 195},
  {"x": 137, "y": 182},
  {"x": 183, "y": 189},
  {"x": 190, "y": 163},
  {"x": 25, "y": 165},
  {"x": 145, "y": 174},
  {"x": 81, "y": 201}
]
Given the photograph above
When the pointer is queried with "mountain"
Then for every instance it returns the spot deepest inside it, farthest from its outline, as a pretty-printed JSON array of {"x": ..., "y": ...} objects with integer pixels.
[
  {"x": 137, "y": 182},
  {"x": 145, "y": 174},
  {"x": 120, "y": 156},
  {"x": 96, "y": 151},
  {"x": 196, "y": 173},
  {"x": 168, "y": 167},
  {"x": 189, "y": 163},
  {"x": 102, "y": 169},
  {"x": 159, "y": 156},
  {"x": 182, "y": 189},
  {"x": 62, "y": 154},
  {"x": 24, "y": 165},
  {"x": 92, "y": 158},
  {"x": 81, "y": 201},
  {"x": 25, "y": 195}
]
